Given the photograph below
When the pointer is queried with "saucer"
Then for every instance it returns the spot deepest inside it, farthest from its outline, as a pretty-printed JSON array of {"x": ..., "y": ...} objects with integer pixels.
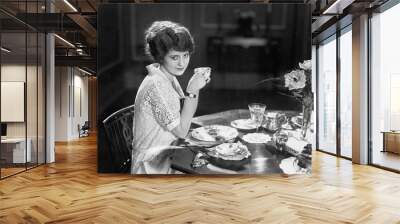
[{"x": 243, "y": 124}]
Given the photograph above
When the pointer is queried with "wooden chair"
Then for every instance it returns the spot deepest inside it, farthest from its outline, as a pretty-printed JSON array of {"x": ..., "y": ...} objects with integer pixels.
[{"x": 118, "y": 128}]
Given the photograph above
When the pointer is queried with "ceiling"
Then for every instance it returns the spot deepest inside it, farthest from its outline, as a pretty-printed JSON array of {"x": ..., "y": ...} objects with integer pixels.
[{"x": 76, "y": 22}]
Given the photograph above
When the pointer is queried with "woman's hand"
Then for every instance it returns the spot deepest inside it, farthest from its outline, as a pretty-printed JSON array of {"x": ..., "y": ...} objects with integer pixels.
[{"x": 197, "y": 82}]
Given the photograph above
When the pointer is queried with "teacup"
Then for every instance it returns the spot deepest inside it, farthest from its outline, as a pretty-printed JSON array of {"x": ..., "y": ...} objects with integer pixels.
[{"x": 206, "y": 71}]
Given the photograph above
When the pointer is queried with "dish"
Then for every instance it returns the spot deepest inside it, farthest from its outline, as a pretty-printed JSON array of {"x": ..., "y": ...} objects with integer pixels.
[
  {"x": 232, "y": 151},
  {"x": 257, "y": 138},
  {"x": 214, "y": 133},
  {"x": 289, "y": 165},
  {"x": 244, "y": 124},
  {"x": 231, "y": 156}
]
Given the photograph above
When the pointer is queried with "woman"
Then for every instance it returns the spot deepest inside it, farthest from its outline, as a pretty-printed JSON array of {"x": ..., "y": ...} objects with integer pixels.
[{"x": 158, "y": 119}]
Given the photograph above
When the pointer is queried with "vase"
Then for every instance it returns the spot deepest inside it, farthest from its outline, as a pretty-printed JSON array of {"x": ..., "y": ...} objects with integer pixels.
[{"x": 307, "y": 111}]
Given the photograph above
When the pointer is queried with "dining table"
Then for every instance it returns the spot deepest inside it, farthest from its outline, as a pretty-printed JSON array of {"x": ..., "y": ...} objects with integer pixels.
[{"x": 293, "y": 157}]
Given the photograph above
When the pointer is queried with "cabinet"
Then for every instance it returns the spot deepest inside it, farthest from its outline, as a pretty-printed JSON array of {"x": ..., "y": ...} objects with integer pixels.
[{"x": 391, "y": 141}]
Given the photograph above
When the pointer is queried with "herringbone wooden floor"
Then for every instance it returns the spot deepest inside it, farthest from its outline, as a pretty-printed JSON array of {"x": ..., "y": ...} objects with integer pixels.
[{"x": 71, "y": 191}]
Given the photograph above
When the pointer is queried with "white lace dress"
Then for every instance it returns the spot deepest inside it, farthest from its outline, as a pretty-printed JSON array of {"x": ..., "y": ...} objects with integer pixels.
[{"x": 157, "y": 112}]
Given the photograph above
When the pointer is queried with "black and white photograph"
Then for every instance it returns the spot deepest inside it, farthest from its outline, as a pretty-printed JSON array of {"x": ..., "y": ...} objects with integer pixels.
[
  {"x": 199, "y": 111},
  {"x": 204, "y": 88}
]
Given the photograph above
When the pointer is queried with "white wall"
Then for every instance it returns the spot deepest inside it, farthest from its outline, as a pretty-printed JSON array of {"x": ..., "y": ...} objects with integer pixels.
[
  {"x": 61, "y": 103},
  {"x": 13, "y": 73},
  {"x": 16, "y": 73},
  {"x": 80, "y": 102},
  {"x": 71, "y": 102}
]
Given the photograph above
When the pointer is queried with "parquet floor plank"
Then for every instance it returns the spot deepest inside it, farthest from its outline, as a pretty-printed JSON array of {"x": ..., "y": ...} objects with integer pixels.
[{"x": 71, "y": 191}]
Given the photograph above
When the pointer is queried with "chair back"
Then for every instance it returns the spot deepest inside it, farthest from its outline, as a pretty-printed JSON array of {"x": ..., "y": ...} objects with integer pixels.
[
  {"x": 86, "y": 126},
  {"x": 118, "y": 128}
]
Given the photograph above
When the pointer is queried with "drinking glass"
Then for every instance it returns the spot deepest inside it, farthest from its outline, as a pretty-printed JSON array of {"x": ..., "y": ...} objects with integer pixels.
[
  {"x": 281, "y": 137},
  {"x": 257, "y": 113}
]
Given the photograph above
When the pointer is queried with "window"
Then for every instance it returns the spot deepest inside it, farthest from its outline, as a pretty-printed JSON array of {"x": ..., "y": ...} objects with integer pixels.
[
  {"x": 327, "y": 95},
  {"x": 385, "y": 86},
  {"x": 346, "y": 93}
]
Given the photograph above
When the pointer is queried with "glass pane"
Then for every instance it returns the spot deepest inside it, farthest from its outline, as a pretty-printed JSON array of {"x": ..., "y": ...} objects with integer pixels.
[
  {"x": 346, "y": 94},
  {"x": 327, "y": 96},
  {"x": 13, "y": 87},
  {"x": 385, "y": 87},
  {"x": 41, "y": 98},
  {"x": 31, "y": 101}
]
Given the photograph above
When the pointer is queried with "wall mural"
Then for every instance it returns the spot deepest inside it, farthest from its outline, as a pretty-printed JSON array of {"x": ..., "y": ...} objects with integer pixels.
[{"x": 204, "y": 88}]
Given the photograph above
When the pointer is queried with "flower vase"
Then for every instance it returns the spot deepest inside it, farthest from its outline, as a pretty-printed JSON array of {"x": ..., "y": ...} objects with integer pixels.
[{"x": 307, "y": 111}]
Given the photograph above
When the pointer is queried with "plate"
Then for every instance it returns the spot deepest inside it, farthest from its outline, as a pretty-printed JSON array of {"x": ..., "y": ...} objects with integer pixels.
[
  {"x": 230, "y": 151},
  {"x": 244, "y": 124},
  {"x": 257, "y": 138},
  {"x": 289, "y": 166},
  {"x": 232, "y": 156},
  {"x": 214, "y": 133}
]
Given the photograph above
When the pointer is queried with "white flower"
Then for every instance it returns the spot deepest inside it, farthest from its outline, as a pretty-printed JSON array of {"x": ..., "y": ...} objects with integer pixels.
[
  {"x": 306, "y": 65},
  {"x": 295, "y": 79}
]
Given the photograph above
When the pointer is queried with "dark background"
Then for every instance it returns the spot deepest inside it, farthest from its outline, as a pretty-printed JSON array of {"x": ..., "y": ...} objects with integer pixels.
[{"x": 242, "y": 43}]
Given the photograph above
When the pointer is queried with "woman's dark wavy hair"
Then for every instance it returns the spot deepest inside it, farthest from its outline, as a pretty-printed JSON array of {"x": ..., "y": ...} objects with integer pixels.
[{"x": 163, "y": 36}]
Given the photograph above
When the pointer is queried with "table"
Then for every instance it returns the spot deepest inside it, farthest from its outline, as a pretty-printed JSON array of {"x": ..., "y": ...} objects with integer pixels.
[
  {"x": 391, "y": 141},
  {"x": 265, "y": 158},
  {"x": 13, "y": 150}
]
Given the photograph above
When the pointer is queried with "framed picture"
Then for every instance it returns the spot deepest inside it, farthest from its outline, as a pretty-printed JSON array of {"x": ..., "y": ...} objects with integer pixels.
[{"x": 205, "y": 88}]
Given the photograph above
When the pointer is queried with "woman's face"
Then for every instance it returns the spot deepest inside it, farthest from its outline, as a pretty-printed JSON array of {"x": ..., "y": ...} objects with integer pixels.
[{"x": 176, "y": 62}]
